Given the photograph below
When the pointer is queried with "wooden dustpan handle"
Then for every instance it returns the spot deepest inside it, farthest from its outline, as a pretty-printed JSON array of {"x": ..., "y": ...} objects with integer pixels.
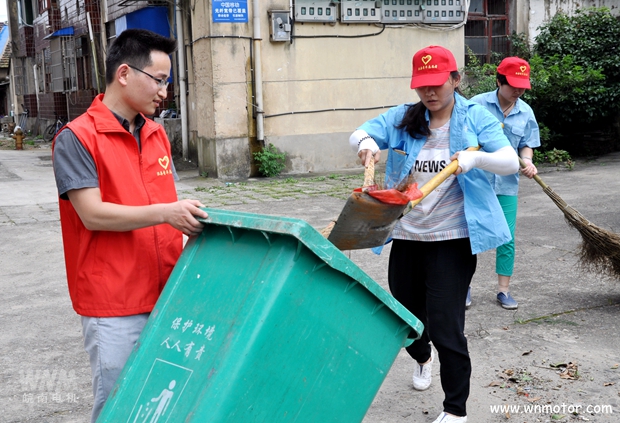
[
  {"x": 369, "y": 180},
  {"x": 369, "y": 174}
]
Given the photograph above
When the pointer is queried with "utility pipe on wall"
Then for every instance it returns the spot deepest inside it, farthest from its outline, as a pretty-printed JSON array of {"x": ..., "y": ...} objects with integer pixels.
[
  {"x": 94, "y": 52},
  {"x": 182, "y": 80},
  {"x": 258, "y": 76},
  {"x": 36, "y": 93}
]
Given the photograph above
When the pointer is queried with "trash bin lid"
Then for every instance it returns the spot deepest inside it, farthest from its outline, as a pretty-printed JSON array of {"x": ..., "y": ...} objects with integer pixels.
[{"x": 320, "y": 246}]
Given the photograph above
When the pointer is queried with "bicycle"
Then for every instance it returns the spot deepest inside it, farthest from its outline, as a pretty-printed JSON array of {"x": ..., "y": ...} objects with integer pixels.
[{"x": 51, "y": 130}]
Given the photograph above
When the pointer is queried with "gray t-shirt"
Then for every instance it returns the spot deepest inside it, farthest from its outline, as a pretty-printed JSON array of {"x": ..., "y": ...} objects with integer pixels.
[{"x": 74, "y": 167}]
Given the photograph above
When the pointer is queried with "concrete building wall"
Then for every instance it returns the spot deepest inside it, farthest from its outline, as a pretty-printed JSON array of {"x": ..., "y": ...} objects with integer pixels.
[
  {"x": 343, "y": 73},
  {"x": 520, "y": 16},
  {"x": 307, "y": 75},
  {"x": 542, "y": 11}
]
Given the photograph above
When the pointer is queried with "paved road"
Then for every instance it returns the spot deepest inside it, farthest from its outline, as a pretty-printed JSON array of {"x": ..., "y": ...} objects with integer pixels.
[{"x": 564, "y": 315}]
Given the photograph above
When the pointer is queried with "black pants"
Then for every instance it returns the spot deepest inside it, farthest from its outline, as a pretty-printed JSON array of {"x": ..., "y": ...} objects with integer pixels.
[{"x": 430, "y": 279}]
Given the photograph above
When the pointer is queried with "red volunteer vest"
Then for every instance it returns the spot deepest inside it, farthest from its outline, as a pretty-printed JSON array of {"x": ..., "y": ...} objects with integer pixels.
[{"x": 121, "y": 273}]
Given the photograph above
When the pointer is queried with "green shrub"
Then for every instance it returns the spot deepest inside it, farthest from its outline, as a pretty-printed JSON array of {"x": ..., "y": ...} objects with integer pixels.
[
  {"x": 270, "y": 162},
  {"x": 565, "y": 95},
  {"x": 554, "y": 156},
  {"x": 519, "y": 45},
  {"x": 576, "y": 74},
  {"x": 477, "y": 78}
]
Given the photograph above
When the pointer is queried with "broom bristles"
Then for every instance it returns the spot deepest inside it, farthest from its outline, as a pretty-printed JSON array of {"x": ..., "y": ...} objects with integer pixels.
[{"x": 600, "y": 249}]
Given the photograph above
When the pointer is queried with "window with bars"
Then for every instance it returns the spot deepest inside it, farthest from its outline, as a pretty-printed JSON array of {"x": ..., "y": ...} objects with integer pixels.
[
  {"x": 83, "y": 64},
  {"x": 69, "y": 65},
  {"x": 487, "y": 30},
  {"x": 63, "y": 64}
]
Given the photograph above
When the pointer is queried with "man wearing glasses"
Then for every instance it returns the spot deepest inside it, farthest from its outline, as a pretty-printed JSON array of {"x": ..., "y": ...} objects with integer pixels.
[{"x": 122, "y": 223}]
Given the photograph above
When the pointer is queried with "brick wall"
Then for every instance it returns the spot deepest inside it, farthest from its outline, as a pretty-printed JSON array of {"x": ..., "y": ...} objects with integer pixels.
[
  {"x": 26, "y": 42},
  {"x": 48, "y": 105},
  {"x": 30, "y": 101},
  {"x": 42, "y": 29},
  {"x": 80, "y": 101}
]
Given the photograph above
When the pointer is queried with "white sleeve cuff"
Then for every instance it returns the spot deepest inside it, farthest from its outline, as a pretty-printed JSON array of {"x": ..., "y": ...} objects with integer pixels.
[
  {"x": 360, "y": 140},
  {"x": 501, "y": 162}
]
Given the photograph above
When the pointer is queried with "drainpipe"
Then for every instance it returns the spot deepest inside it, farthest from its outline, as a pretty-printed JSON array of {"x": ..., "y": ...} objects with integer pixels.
[
  {"x": 182, "y": 79},
  {"x": 14, "y": 112},
  {"x": 36, "y": 93},
  {"x": 94, "y": 51},
  {"x": 258, "y": 76}
]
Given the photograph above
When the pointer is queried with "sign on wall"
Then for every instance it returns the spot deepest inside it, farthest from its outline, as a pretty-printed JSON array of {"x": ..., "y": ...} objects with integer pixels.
[{"x": 230, "y": 11}]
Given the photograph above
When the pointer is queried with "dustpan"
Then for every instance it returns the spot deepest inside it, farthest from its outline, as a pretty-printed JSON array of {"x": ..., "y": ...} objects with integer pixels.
[{"x": 367, "y": 222}]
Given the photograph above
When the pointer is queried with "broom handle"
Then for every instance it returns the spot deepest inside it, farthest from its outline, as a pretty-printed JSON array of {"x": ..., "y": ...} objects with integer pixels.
[
  {"x": 436, "y": 180},
  {"x": 536, "y": 177}
]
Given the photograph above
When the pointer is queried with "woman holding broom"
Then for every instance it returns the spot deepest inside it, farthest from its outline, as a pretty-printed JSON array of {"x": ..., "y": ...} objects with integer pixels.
[
  {"x": 521, "y": 129},
  {"x": 433, "y": 254}
]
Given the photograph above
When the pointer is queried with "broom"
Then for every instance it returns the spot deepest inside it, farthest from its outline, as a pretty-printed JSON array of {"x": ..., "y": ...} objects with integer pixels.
[{"x": 600, "y": 249}]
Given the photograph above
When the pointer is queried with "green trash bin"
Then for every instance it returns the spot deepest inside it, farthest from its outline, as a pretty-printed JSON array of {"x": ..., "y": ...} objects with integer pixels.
[{"x": 262, "y": 320}]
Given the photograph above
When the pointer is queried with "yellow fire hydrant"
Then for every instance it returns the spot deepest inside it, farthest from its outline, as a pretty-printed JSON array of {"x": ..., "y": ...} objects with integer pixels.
[{"x": 18, "y": 136}]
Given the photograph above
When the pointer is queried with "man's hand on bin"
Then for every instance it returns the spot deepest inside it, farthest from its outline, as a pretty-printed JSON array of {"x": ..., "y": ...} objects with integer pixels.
[{"x": 182, "y": 216}]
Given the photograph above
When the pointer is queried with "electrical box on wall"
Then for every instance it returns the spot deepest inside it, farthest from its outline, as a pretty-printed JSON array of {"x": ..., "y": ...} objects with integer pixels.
[
  {"x": 423, "y": 11},
  {"x": 353, "y": 11},
  {"x": 280, "y": 25},
  {"x": 315, "y": 11}
]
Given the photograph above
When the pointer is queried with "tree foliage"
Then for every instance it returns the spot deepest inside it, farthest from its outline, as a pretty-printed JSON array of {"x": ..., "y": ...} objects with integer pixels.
[
  {"x": 577, "y": 68},
  {"x": 566, "y": 95},
  {"x": 477, "y": 78}
]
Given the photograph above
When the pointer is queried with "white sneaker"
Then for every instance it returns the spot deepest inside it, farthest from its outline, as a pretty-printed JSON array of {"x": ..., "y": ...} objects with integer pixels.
[
  {"x": 422, "y": 374},
  {"x": 449, "y": 418}
]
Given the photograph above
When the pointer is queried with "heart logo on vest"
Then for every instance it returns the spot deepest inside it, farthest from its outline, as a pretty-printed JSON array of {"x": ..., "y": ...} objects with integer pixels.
[
  {"x": 426, "y": 59},
  {"x": 164, "y": 162}
]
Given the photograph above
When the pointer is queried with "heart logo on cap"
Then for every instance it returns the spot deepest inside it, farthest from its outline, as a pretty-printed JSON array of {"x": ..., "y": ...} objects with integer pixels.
[
  {"x": 426, "y": 59},
  {"x": 164, "y": 162},
  {"x": 523, "y": 68}
]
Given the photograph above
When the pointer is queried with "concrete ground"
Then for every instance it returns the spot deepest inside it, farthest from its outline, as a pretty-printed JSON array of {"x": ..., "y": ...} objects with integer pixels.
[{"x": 556, "y": 358}]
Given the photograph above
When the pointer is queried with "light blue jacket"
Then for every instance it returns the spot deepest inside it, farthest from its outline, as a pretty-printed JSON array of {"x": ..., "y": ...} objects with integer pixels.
[
  {"x": 521, "y": 129},
  {"x": 470, "y": 125}
]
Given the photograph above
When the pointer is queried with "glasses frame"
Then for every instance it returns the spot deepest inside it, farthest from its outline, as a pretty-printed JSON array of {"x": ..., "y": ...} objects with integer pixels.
[{"x": 161, "y": 83}]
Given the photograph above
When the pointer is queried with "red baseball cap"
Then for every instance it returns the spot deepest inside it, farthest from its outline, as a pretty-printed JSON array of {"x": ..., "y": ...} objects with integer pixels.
[
  {"x": 432, "y": 66},
  {"x": 516, "y": 71}
]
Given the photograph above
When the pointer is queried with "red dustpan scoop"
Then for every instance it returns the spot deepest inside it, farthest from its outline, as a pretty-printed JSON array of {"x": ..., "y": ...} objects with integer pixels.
[
  {"x": 369, "y": 214},
  {"x": 393, "y": 195}
]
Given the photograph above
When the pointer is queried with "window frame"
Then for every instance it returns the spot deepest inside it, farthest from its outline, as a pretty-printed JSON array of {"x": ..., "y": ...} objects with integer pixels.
[{"x": 492, "y": 40}]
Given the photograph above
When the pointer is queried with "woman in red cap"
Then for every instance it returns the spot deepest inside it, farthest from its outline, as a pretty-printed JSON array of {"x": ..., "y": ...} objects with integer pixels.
[
  {"x": 521, "y": 129},
  {"x": 433, "y": 253}
]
